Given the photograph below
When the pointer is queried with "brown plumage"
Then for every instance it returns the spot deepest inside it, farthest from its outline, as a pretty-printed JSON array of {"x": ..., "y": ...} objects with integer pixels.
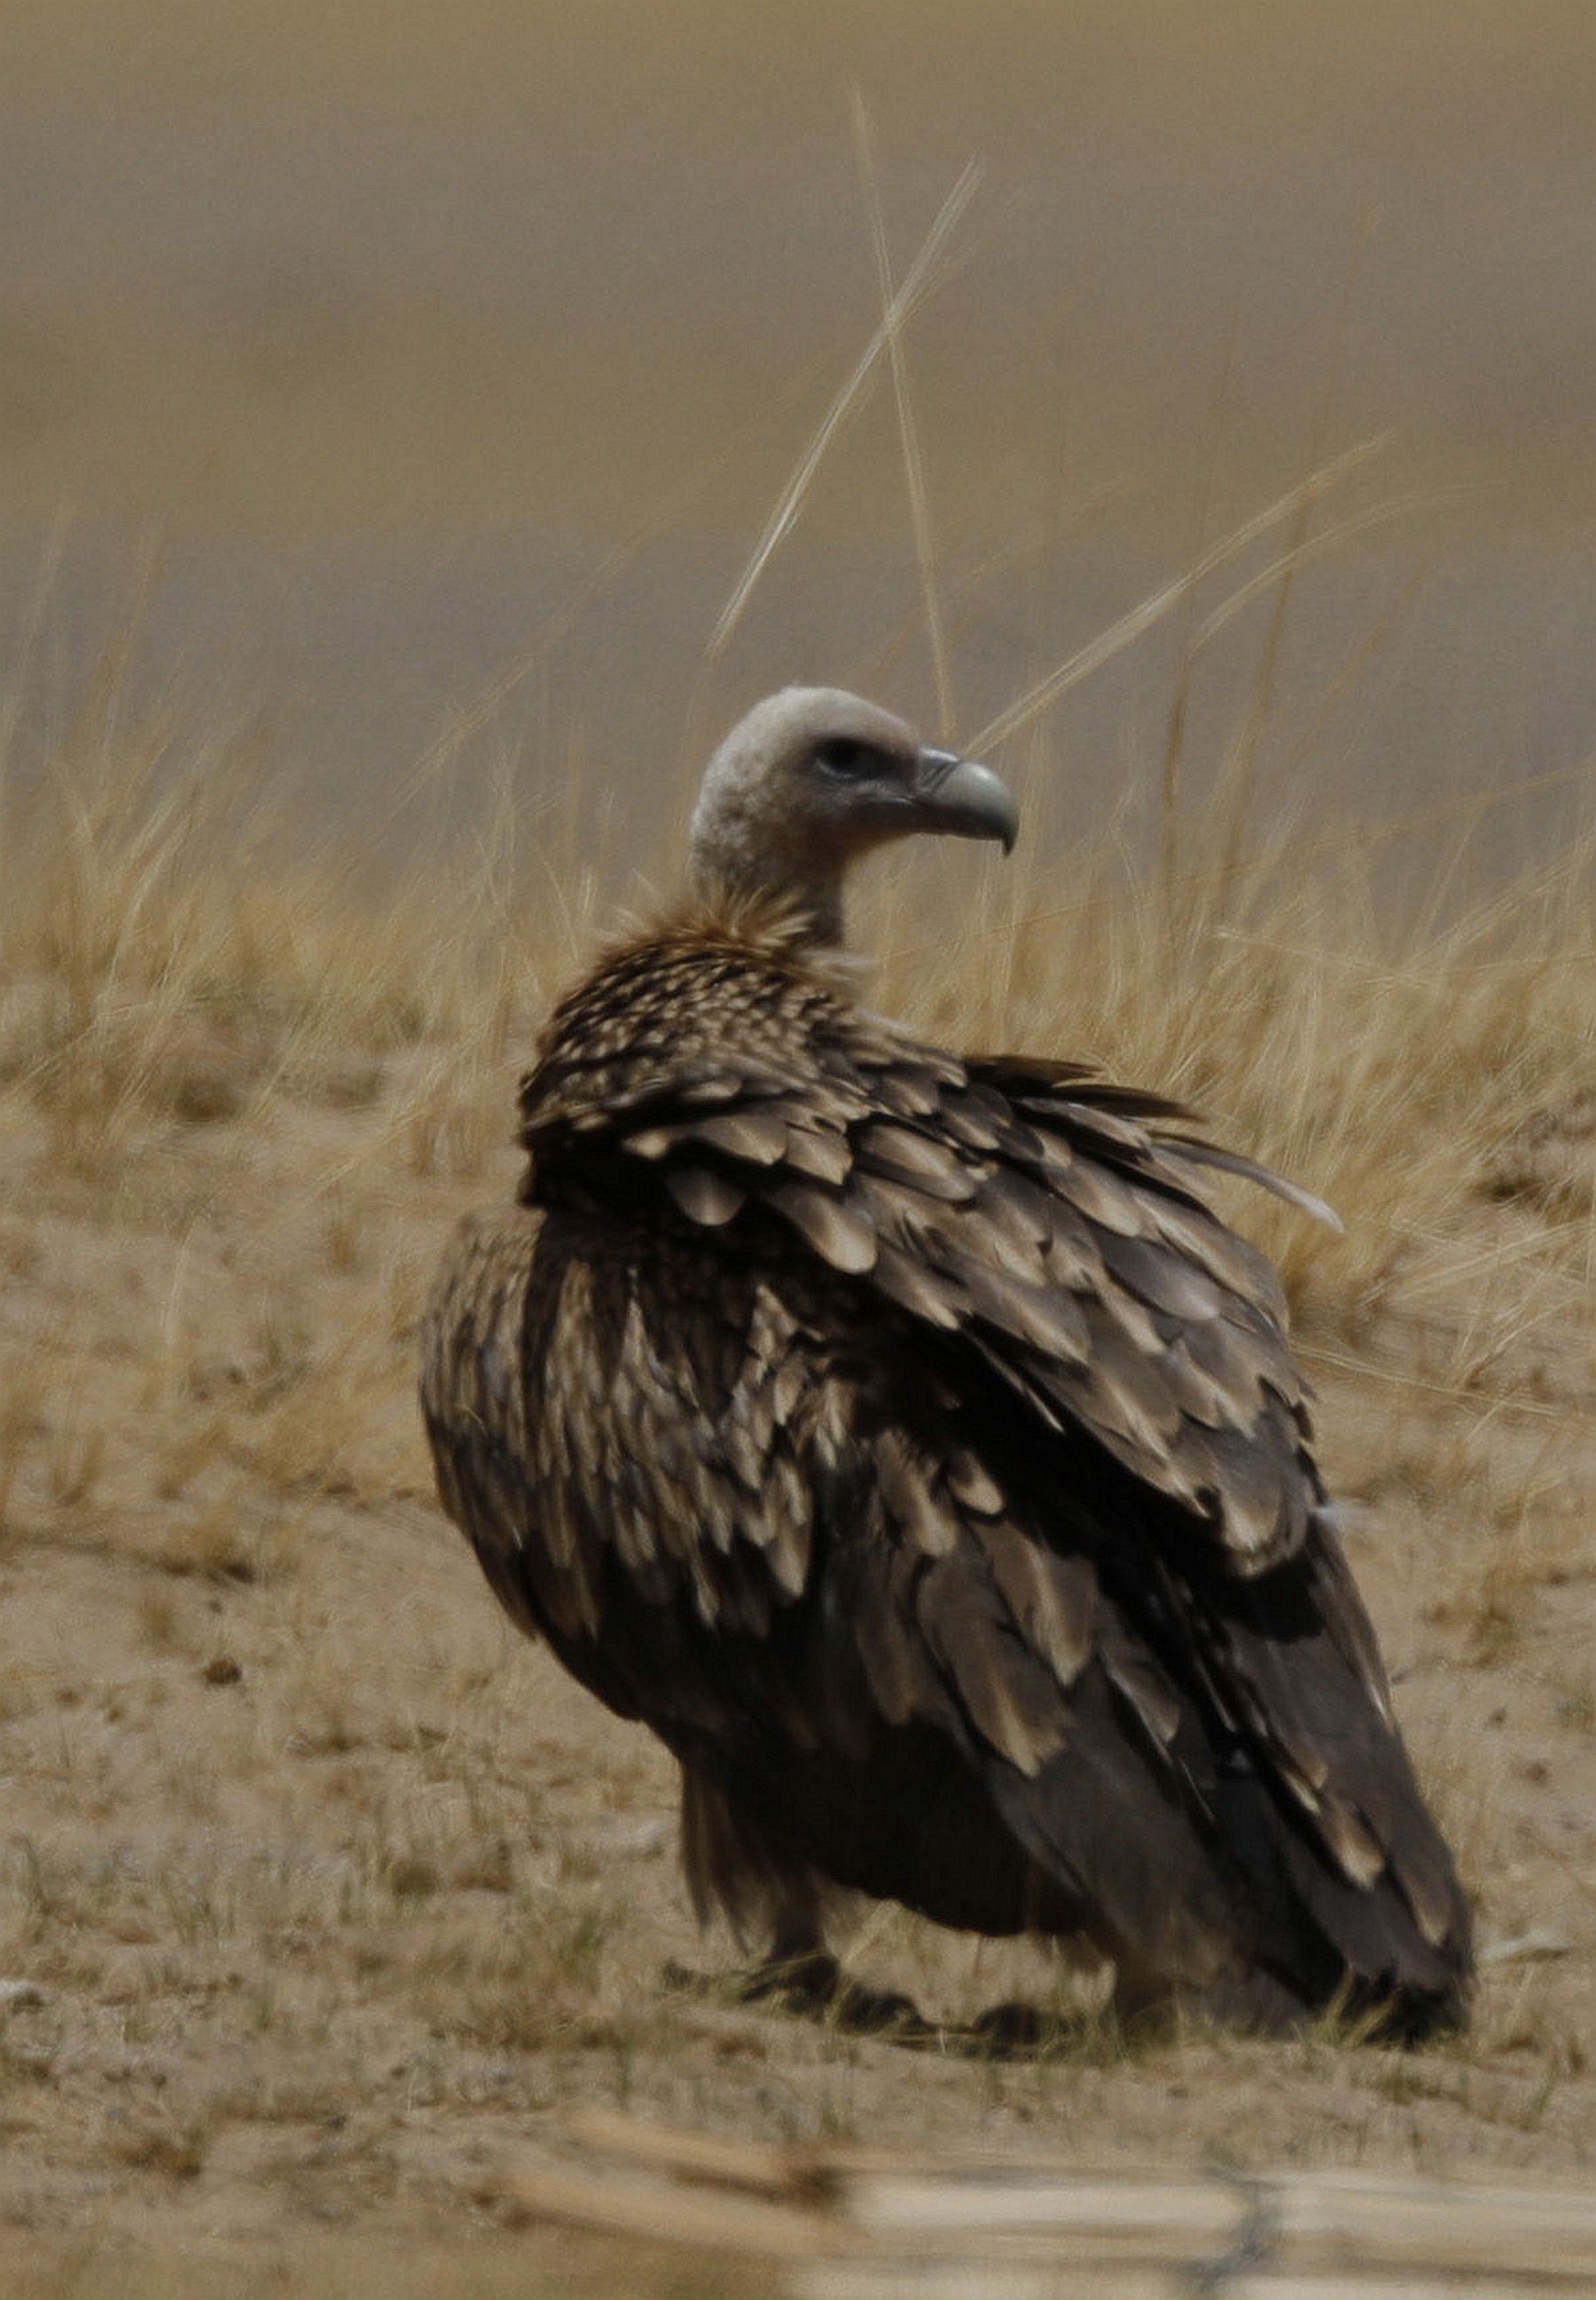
[{"x": 902, "y": 1437}]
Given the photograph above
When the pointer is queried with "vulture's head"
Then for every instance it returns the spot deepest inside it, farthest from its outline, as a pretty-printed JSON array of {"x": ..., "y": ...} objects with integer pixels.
[{"x": 811, "y": 779}]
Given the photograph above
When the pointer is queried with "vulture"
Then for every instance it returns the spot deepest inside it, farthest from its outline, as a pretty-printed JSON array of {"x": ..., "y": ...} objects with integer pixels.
[{"x": 902, "y": 1436}]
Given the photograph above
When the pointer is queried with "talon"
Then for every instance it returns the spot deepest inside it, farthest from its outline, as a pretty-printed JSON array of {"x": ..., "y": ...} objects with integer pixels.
[
  {"x": 1013, "y": 2026},
  {"x": 813, "y": 1985},
  {"x": 880, "y": 2012}
]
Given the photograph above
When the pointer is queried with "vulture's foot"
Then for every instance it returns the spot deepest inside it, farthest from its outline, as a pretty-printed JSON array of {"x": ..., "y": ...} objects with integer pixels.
[
  {"x": 816, "y": 1986},
  {"x": 813, "y": 1986},
  {"x": 1016, "y": 2031},
  {"x": 1013, "y": 2030}
]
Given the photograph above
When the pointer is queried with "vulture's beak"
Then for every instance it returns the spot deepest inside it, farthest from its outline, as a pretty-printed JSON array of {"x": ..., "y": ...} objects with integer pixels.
[{"x": 963, "y": 799}]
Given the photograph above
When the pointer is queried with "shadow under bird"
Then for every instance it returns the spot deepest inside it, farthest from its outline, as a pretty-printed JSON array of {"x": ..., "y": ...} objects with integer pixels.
[{"x": 902, "y": 1438}]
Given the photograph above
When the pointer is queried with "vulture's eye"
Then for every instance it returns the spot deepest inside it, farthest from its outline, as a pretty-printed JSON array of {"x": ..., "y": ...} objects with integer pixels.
[{"x": 845, "y": 756}]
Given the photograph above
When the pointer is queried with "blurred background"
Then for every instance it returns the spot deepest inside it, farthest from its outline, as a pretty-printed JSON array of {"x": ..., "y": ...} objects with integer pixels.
[{"x": 390, "y": 384}]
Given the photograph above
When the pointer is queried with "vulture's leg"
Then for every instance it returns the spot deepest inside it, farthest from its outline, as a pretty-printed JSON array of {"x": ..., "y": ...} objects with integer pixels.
[
  {"x": 1147, "y": 2004},
  {"x": 797, "y": 1970},
  {"x": 1144, "y": 2003},
  {"x": 799, "y": 1974},
  {"x": 739, "y": 1860}
]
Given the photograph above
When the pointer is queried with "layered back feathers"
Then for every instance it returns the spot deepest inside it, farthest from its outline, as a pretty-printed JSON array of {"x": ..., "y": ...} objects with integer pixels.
[{"x": 907, "y": 1442}]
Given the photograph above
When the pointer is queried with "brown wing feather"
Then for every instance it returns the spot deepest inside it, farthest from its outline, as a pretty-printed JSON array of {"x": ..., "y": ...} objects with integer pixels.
[
  {"x": 1058, "y": 1228},
  {"x": 823, "y": 1378}
]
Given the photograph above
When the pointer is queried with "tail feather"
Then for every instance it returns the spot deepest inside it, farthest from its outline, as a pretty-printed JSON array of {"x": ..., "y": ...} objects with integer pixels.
[
  {"x": 1350, "y": 1869},
  {"x": 1324, "y": 1938},
  {"x": 1206, "y": 1864}
]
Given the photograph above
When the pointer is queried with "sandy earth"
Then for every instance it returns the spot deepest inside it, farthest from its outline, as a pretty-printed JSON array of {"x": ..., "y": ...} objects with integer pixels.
[{"x": 324, "y": 1896}]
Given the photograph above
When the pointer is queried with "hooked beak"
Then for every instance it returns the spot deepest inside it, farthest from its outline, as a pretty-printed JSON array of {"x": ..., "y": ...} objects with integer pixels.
[{"x": 963, "y": 799}]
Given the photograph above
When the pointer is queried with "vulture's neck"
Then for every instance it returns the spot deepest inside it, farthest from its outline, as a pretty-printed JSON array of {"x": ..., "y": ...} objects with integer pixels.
[{"x": 724, "y": 867}]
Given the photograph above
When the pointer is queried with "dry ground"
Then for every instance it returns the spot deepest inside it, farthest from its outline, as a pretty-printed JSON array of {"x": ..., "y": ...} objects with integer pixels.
[{"x": 321, "y": 1894}]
